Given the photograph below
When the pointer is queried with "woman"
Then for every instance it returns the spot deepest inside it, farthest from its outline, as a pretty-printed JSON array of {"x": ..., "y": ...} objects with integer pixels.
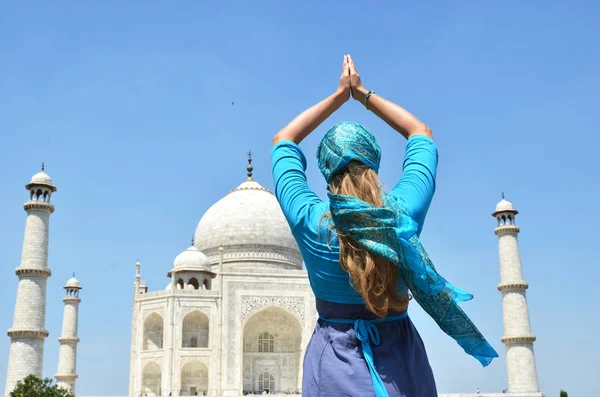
[{"x": 362, "y": 252}]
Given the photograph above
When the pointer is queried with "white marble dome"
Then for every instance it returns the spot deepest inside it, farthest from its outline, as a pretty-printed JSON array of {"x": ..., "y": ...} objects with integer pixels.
[
  {"x": 504, "y": 205},
  {"x": 41, "y": 178},
  {"x": 249, "y": 224},
  {"x": 191, "y": 259},
  {"x": 73, "y": 283}
]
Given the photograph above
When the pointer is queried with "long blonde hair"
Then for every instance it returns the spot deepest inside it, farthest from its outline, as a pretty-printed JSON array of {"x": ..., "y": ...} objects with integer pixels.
[{"x": 373, "y": 277}]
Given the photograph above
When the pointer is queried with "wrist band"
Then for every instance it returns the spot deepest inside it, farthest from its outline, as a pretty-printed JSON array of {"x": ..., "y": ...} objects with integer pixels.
[{"x": 367, "y": 96}]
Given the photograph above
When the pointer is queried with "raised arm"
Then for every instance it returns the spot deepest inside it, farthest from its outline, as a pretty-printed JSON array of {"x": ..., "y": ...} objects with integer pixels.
[
  {"x": 398, "y": 118},
  {"x": 310, "y": 119}
]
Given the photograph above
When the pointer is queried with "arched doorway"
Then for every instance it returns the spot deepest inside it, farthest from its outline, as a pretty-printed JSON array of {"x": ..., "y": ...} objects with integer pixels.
[
  {"x": 272, "y": 339},
  {"x": 194, "y": 379},
  {"x": 151, "y": 379},
  {"x": 153, "y": 332},
  {"x": 195, "y": 330}
]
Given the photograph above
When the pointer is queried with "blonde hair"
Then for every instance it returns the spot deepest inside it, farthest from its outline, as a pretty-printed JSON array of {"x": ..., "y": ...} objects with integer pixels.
[{"x": 373, "y": 277}]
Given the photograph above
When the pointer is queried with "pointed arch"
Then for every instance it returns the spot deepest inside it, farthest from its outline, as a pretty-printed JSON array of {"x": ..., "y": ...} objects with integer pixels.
[
  {"x": 151, "y": 379},
  {"x": 195, "y": 330},
  {"x": 153, "y": 332},
  {"x": 266, "y": 382},
  {"x": 194, "y": 282},
  {"x": 272, "y": 334},
  {"x": 194, "y": 378}
]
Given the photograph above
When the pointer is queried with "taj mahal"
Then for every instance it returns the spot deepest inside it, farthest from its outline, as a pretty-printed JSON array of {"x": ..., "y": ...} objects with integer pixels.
[{"x": 237, "y": 312}]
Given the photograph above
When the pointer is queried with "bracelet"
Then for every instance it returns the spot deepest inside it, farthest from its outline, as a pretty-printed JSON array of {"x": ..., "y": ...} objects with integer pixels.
[{"x": 367, "y": 96}]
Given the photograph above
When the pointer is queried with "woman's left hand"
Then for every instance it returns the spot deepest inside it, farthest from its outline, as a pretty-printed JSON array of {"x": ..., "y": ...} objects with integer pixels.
[{"x": 344, "y": 88}]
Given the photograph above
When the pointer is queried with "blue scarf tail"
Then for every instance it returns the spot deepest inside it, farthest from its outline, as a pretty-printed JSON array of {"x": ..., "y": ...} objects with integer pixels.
[{"x": 390, "y": 234}]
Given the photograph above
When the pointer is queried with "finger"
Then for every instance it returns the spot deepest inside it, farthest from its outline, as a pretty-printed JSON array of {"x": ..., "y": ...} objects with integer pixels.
[
  {"x": 351, "y": 65},
  {"x": 345, "y": 68}
]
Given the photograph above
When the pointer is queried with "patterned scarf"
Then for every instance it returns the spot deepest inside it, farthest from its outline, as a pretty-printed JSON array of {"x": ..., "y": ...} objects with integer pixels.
[{"x": 389, "y": 233}]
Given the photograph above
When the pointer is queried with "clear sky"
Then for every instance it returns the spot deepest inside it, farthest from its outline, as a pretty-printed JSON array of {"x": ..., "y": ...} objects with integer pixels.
[{"x": 130, "y": 107}]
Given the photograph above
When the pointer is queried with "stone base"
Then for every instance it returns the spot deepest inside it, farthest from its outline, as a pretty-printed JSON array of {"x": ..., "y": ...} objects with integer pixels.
[{"x": 538, "y": 394}]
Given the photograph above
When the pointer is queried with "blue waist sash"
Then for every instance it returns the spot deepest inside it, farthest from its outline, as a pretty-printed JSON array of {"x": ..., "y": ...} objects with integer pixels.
[{"x": 367, "y": 333}]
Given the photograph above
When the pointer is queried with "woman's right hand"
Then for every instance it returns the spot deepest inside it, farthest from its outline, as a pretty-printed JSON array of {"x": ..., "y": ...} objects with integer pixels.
[
  {"x": 344, "y": 88},
  {"x": 356, "y": 86}
]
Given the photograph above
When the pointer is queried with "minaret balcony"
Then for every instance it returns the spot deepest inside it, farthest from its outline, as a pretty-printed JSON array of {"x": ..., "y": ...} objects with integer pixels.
[
  {"x": 28, "y": 333},
  {"x": 39, "y": 205},
  {"x": 66, "y": 377},
  {"x": 68, "y": 340},
  {"x": 506, "y": 229},
  {"x": 518, "y": 339},
  {"x": 518, "y": 286},
  {"x": 39, "y": 272}
]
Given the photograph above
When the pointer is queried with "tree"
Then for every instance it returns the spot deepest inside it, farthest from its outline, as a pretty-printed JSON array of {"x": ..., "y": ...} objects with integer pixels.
[
  {"x": 32, "y": 386},
  {"x": 563, "y": 394}
]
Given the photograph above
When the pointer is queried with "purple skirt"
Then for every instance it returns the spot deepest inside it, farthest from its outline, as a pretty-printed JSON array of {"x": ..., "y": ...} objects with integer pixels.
[{"x": 334, "y": 364}]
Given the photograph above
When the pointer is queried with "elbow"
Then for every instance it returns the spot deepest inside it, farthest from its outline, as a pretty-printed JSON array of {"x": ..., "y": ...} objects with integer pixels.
[
  {"x": 276, "y": 139},
  {"x": 424, "y": 130}
]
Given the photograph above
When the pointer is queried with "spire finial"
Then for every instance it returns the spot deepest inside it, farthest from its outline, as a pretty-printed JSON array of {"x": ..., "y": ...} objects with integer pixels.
[
  {"x": 502, "y": 195},
  {"x": 42, "y": 166},
  {"x": 192, "y": 241},
  {"x": 249, "y": 168},
  {"x": 73, "y": 274}
]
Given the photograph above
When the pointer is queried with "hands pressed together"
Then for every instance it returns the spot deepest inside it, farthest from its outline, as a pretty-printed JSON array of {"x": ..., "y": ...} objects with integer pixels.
[{"x": 350, "y": 83}]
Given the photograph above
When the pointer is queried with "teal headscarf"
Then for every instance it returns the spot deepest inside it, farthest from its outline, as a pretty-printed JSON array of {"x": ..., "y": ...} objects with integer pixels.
[{"x": 391, "y": 234}]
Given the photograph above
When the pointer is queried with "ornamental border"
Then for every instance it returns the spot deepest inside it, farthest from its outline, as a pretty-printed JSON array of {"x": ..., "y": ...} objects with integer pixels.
[
  {"x": 518, "y": 339},
  {"x": 25, "y": 333},
  {"x": 38, "y": 205},
  {"x": 513, "y": 287},
  {"x": 40, "y": 272}
]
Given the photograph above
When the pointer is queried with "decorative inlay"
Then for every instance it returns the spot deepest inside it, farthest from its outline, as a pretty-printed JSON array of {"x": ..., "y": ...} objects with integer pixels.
[
  {"x": 147, "y": 313},
  {"x": 250, "y": 188},
  {"x": 513, "y": 286},
  {"x": 271, "y": 253},
  {"x": 23, "y": 333},
  {"x": 251, "y": 304},
  {"x": 146, "y": 361},
  {"x": 519, "y": 339},
  {"x": 188, "y": 309},
  {"x": 39, "y": 272},
  {"x": 203, "y": 359}
]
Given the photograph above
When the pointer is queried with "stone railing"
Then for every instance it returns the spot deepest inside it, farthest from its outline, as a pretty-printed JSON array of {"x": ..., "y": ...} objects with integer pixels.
[{"x": 196, "y": 292}]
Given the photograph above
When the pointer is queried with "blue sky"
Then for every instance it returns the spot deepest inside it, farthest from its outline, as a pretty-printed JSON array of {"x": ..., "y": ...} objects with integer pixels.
[{"x": 130, "y": 107}]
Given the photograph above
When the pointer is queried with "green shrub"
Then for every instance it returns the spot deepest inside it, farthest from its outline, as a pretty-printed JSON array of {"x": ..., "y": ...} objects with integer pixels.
[{"x": 32, "y": 386}]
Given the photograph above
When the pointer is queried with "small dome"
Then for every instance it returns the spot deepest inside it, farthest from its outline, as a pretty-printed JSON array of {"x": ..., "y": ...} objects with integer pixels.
[
  {"x": 73, "y": 283},
  {"x": 504, "y": 205},
  {"x": 192, "y": 259},
  {"x": 41, "y": 178}
]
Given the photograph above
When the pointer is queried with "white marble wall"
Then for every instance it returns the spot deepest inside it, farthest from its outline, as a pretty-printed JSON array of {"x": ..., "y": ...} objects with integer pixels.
[{"x": 245, "y": 295}]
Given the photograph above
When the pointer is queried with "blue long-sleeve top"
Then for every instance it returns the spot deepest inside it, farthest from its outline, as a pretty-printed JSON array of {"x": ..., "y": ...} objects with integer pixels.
[{"x": 304, "y": 212}]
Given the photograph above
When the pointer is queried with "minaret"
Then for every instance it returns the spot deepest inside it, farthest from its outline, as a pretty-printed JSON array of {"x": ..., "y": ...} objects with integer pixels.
[
  {"x": 518, "y": 339},
  {"x": 28, "y": 332},
  {"x": 67, "y": 356}
]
